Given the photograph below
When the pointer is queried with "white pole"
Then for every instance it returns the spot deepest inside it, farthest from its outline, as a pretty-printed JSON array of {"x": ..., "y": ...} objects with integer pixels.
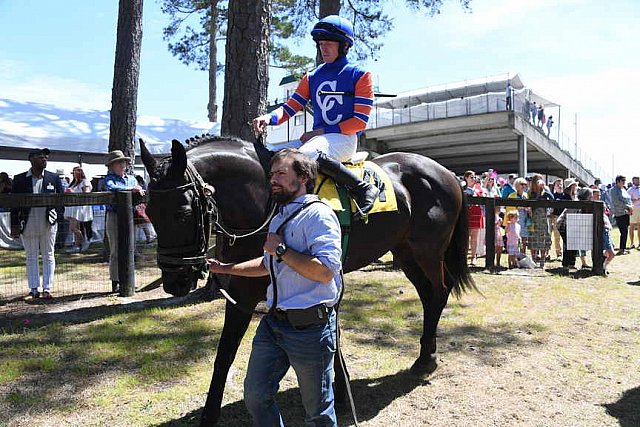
[
  {"x": 575, "y": 137},
  {"x": 613, "y": 166}
]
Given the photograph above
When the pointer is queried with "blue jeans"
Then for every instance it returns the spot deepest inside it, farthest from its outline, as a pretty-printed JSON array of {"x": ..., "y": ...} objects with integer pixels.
[{"x": 278, "y": 345}]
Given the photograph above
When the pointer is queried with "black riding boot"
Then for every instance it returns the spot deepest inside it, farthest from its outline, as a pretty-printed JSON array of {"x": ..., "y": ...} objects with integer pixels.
[
  {"x": 264, "y": 154},
  {"x": 363, "y": 193}
]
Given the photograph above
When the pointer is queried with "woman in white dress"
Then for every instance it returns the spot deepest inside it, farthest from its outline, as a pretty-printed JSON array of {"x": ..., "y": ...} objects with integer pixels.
[{"x": 76, "y": 215}]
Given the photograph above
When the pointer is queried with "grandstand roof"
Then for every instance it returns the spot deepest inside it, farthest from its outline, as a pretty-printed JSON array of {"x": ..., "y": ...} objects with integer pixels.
[{"x": 457, "y": 90}]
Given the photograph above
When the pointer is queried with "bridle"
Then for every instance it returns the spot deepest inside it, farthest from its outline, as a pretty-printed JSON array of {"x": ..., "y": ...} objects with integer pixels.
[{"x": 207, "y": 219}]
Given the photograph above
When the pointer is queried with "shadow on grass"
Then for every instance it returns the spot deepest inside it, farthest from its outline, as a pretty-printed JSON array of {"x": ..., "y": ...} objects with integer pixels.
[
  {"x": 145, "y": 347},
  {"x": 626, "y": 409},
  {"x": 65, "y": 299},
  {"x": 481, "y": 342},
  {"x": 95, "y": 312},
  {"x": 16, "y": 258},
  {"x": 371, "y": 396},
  {"x": 573, "y": 273}
]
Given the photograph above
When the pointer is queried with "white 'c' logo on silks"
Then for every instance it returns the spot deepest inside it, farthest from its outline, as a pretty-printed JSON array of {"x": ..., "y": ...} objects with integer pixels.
[{"x": 327, "y": 102}]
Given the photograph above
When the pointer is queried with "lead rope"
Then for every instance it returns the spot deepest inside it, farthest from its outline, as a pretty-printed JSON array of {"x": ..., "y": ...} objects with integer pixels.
[{"x": 341, "y": 361}]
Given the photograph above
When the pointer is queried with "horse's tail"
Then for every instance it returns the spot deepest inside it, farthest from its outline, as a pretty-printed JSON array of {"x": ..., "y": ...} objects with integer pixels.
[{"x": 455, "y": 258}]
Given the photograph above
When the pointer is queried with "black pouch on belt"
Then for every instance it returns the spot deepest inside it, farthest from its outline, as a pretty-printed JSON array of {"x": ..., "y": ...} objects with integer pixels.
[{"x": 312, "y": 316}]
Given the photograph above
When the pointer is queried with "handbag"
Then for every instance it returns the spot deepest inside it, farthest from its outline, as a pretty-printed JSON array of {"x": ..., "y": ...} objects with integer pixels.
[{"x": 140, "y": 214}]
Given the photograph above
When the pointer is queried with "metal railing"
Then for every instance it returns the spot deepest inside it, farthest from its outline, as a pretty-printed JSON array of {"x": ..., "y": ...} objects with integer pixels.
[
  {"x": 127, "y": 253},
  {"x": 481, "y": 104}
]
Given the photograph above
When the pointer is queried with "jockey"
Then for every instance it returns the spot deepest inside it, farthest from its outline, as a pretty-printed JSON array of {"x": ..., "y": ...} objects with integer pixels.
[{"x": 336, "y": 118}]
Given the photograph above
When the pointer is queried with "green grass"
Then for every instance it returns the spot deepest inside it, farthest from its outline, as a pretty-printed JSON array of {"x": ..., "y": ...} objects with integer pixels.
[
  {"x": 76, "y": 274},
  {"x": 551, "y": 334}
]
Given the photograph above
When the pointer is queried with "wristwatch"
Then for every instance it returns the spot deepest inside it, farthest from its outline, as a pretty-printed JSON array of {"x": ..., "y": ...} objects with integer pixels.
[{"x": 281, "y": 249}]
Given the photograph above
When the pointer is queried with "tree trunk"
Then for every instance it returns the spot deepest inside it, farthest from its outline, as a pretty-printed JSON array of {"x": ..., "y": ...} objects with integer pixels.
[
  {"x": 213, "y": 62},
  {"x": 246, "y": 66},
  {"x": 124, "y": 94},
  {"x": 327, "y": 7}
]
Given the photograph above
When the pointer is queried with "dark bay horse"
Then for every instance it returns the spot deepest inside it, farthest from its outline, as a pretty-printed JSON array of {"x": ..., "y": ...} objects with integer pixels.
[{"x": 219, "y": 183}]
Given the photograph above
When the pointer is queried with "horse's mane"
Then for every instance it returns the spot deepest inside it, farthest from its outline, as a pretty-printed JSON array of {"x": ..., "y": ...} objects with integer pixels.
[
  {"x": 224, "y": 143},
  {"x": 205, "y": 138}
]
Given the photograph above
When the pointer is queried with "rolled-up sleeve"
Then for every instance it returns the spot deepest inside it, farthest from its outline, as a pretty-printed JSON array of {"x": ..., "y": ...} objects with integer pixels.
[
  {"x": 115, "y": 183},
  {"x": 324, "y": 238}
]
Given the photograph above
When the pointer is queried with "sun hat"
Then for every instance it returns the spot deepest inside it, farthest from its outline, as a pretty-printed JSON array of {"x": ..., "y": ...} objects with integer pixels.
[
  {"x": 569, "y": 182},
  {"x": 114, "y": 156}
]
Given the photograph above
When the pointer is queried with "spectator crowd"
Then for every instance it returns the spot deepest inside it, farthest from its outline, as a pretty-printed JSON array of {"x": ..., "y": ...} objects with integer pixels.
[
  {"x": 43, "y": 230},
  {"x": 530, "y": 237}
]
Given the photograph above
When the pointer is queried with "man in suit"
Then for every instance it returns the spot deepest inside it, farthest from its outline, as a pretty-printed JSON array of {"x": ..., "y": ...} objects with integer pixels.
[{"x": 37, "y": 226}]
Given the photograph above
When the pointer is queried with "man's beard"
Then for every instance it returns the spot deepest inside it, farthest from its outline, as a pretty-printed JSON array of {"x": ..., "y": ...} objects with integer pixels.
[{"x": 283, "y": 196}]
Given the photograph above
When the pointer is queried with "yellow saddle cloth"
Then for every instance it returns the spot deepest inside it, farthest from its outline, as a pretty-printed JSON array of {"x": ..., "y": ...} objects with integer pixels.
[{"x": 368, "y": 171}]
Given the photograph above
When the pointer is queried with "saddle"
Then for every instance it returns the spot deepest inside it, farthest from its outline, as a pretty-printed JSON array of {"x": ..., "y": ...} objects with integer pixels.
[{"x": 338, "y": 198}]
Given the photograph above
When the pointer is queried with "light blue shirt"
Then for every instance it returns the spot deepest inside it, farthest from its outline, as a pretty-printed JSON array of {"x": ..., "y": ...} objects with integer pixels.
[
  {"x": 114, "y": 182},
  {"x": 620, "y": 200},
  {"x": 315, "y": 231}
]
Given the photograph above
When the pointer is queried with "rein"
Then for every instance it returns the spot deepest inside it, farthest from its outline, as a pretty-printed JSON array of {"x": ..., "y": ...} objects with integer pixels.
[{"x": 260, "y": 230}]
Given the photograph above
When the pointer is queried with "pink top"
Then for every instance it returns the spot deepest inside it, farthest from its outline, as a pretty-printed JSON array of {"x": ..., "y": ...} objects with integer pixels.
[{"x": 513, "y": 233}]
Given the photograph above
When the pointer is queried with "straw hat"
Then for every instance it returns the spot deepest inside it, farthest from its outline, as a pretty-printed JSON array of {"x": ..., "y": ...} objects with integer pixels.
[
  {"x": 569, "y": 182},
  {"x": 114, "y": 156}
]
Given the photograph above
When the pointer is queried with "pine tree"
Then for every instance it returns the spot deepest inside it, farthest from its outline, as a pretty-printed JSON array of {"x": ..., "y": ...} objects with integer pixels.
[
  {"x": 126, "y": 72},
  {"x": 246, "y": 66}
]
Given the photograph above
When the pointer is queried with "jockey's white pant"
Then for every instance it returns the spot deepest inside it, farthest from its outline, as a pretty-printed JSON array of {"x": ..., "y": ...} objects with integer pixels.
[{"x": 336, "y": 145}]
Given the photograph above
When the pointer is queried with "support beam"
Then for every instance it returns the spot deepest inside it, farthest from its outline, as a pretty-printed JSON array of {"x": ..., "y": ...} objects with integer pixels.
[{"x": 522, "y": 155}]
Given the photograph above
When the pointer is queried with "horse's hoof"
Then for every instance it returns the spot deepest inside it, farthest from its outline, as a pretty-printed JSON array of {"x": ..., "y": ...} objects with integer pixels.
[{"x": 423, "y": 369}]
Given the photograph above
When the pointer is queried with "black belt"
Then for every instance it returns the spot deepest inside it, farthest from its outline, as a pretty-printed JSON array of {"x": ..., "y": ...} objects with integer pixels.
[
  {"x": 280, "y": 314},
  {"x": 303, "y": 318}
]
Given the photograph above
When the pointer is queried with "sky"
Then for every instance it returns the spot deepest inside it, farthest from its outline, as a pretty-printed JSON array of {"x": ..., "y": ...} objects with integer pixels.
[{"x": 581, "y": 54}]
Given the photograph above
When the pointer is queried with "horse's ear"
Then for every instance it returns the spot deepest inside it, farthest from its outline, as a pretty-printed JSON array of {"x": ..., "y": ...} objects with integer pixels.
[
  {"x": 147, "y": 159},
  {"x": 178, "y": 159}
]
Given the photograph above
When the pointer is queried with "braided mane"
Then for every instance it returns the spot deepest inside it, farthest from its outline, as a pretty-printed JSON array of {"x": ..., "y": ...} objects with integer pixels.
[{"x": 205, "y": 138}]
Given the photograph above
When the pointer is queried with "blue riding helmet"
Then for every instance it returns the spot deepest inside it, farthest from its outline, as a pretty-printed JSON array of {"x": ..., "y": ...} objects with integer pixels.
[{"x": 335, "y": 28}]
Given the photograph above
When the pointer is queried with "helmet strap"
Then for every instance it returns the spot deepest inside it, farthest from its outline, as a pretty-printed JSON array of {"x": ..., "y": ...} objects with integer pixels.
[{"x": 343, "y": 49}]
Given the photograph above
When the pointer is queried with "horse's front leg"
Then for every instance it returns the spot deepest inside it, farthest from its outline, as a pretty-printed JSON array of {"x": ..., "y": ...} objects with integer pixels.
[{"x": 236, "y": 323}]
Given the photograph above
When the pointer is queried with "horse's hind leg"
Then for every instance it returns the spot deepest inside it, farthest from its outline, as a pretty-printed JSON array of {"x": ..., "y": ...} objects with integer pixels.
[{"x": 427, "y": 275}]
